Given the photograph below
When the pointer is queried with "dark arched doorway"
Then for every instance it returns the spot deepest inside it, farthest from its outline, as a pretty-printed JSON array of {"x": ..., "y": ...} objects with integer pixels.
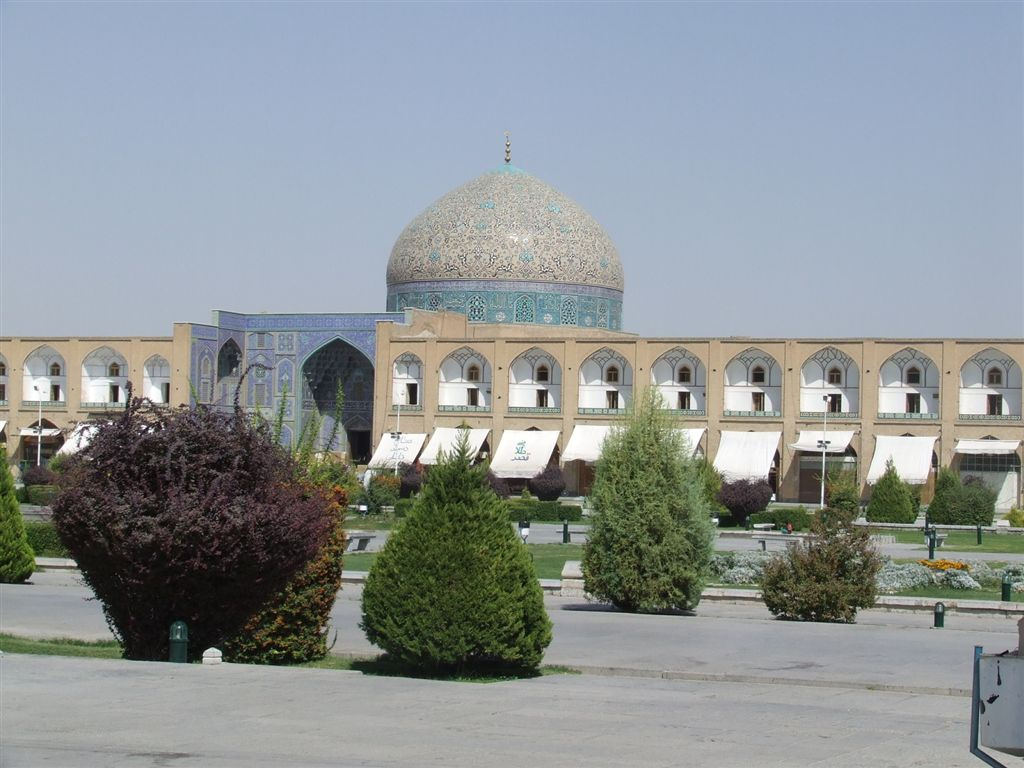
[{"x": 339, "y": 363}]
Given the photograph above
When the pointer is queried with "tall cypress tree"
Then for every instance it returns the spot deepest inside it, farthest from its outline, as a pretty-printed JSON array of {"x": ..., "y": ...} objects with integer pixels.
[
  {"x": 454, "y": 588},
  {"x": 651, "y": 536},
  {"x": 891, "y": 501},
  {"x": 17, "y": 561}
]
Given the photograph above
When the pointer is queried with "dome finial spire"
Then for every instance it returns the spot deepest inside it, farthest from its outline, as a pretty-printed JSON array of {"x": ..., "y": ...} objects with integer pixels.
[{"x": 508, "y": 149}]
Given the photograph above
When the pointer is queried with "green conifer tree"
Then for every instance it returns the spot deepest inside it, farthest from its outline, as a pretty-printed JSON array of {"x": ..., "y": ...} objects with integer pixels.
[
  {"x": 947, "y": 487},
  {"x": 891, "y": 501},
  {"x": 651, "y": 534},
  {"x": 17, "y": 561},
  {"x": 454, "y": 589}
]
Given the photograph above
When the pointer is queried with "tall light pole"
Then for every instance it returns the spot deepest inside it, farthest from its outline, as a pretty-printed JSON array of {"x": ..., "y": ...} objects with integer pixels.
[
  {"x": 397, "y": 436},
  {"x": 823, "y": 444},
  {"x": 39, "y": 427}
]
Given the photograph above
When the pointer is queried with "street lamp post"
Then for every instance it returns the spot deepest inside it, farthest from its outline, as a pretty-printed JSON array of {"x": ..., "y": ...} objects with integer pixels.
[
  {"x": 823, "y": 444},
  {"x": 397, "y": 436},
  {"x": 39, "y": 427}
]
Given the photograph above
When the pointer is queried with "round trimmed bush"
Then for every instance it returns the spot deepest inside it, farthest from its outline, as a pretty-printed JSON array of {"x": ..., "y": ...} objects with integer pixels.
[
  {"x": 829, "y": 578},
  {"x": 186, "y": 514},
  {"x": 548, "y": 484},
  {"x": 454, "y": 589}
]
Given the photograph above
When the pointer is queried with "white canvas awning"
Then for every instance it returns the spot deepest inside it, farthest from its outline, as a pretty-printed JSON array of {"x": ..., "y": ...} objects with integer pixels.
[
  {"x": 838, "y": 441},
  {"x": 391, "y": 451},
  {"x": 3, "y": 425},
  {"x": 693, "y": 437},
  {"x": 746, "y": 455},
  {"x": 912, "y": 457},
  {"x": 80, "y": 437},
  {"x": 446, "y": 438},
  {"x": 523, "y": 453},
  {"x": 32, "y": 432},
  {"x": 989, "y": 447},
  {"x": 585, "y": 443}
]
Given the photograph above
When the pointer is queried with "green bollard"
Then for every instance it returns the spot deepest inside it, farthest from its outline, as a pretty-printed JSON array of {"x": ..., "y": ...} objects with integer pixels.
[
  {"x": 565, "y": 532},
  {"x": 179, "y": 643},
  {"x": 1005, "y": 596},
  {"x": 979, "y": 534},
  {"x": 940, "y": 615},
  {"x": 931, "y": 543}
]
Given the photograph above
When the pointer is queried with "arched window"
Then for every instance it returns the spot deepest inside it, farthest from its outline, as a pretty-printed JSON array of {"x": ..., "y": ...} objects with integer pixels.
[
  {"x": 612, "y": 374},
  {"x": 913, "y": 375},
  {"x": 114, "y": 370},
  {"x": 757, "y": 375},
  {"x": 477, "y": 309},
  {"x": 473, "y": 372},
  {"x": 570, "y": 312},
  {"x": 543, "y": 373},
  {"x": 524, "y": 310},
  {"x": 684, "y": 376},
  {"x": 835, "y": 376},
  {"x": 55, "y": 369},
  {"x": 3, "y": 369},
  {"x": 995, "y": 377}
]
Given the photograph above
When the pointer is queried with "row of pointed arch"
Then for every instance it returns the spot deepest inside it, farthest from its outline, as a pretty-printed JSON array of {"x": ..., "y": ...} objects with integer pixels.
[
  {"x": 104, "y": 374},
  {"x": 828, "y": 369},
  {"x": 753, "y": 366}
]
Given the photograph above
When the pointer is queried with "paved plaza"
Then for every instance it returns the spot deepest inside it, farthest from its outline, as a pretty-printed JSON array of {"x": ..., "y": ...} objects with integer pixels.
[{"x": 728, "y": 686}]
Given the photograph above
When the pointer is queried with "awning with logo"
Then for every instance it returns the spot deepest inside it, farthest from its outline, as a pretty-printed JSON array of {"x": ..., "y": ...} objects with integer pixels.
[
  {"x": 446, "y": 438},
  {"x": 523, "y": 453},
  {"x": 746, "y": 455},
  {"x": 989, "y": 447},
  {"x": 838, "y": 441},
  {"x": 912, "y": 457},
  {"x": 586, "y": 441},
  {"x": 395, "y": 450}
]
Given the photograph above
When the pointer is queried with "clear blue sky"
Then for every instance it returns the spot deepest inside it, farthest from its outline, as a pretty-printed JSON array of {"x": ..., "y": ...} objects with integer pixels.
[{"x": 765, "y": 169}]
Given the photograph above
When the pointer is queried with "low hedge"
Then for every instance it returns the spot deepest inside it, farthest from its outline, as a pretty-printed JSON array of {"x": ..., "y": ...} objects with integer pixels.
[
  {"x": 40, "y": 495},
  {"x": 520, "y": 509},
  {"x": 43, "y": 538},
  {"x": 542, "y": 511},
  {"x": 798, "y": 516}
]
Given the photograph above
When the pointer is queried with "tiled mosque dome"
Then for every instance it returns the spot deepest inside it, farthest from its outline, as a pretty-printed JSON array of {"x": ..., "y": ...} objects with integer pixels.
[{"x": 506, "y": 247}]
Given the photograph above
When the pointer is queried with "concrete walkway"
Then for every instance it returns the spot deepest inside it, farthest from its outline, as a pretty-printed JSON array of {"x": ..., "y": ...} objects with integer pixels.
[{"x": 727, "y": 686}]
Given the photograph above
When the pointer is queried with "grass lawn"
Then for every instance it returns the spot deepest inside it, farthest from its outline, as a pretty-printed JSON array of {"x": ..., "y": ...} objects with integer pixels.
[
  {"x": 108, "y": 649},
  {"x": 548, "y": 559},
  {"x": 965, "y": 541},
  {"x": 941, "y": 593},
  {"x": 60, "y": 646}
]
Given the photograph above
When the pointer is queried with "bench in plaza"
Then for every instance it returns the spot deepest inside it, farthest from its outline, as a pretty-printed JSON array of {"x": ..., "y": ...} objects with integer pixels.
[
  {"x": 763, "y": 538},
  {"x": 357, "y": 541}
]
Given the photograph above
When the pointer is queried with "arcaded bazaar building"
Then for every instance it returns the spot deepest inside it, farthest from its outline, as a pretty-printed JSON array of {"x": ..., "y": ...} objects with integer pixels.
[{"x": 504, "y": 314}]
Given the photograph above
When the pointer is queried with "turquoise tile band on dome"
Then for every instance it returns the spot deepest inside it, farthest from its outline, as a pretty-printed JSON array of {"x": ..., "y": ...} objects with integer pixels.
[
  {"x": 508, "y": 248},
  {"x": 486, "y": 301}
]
